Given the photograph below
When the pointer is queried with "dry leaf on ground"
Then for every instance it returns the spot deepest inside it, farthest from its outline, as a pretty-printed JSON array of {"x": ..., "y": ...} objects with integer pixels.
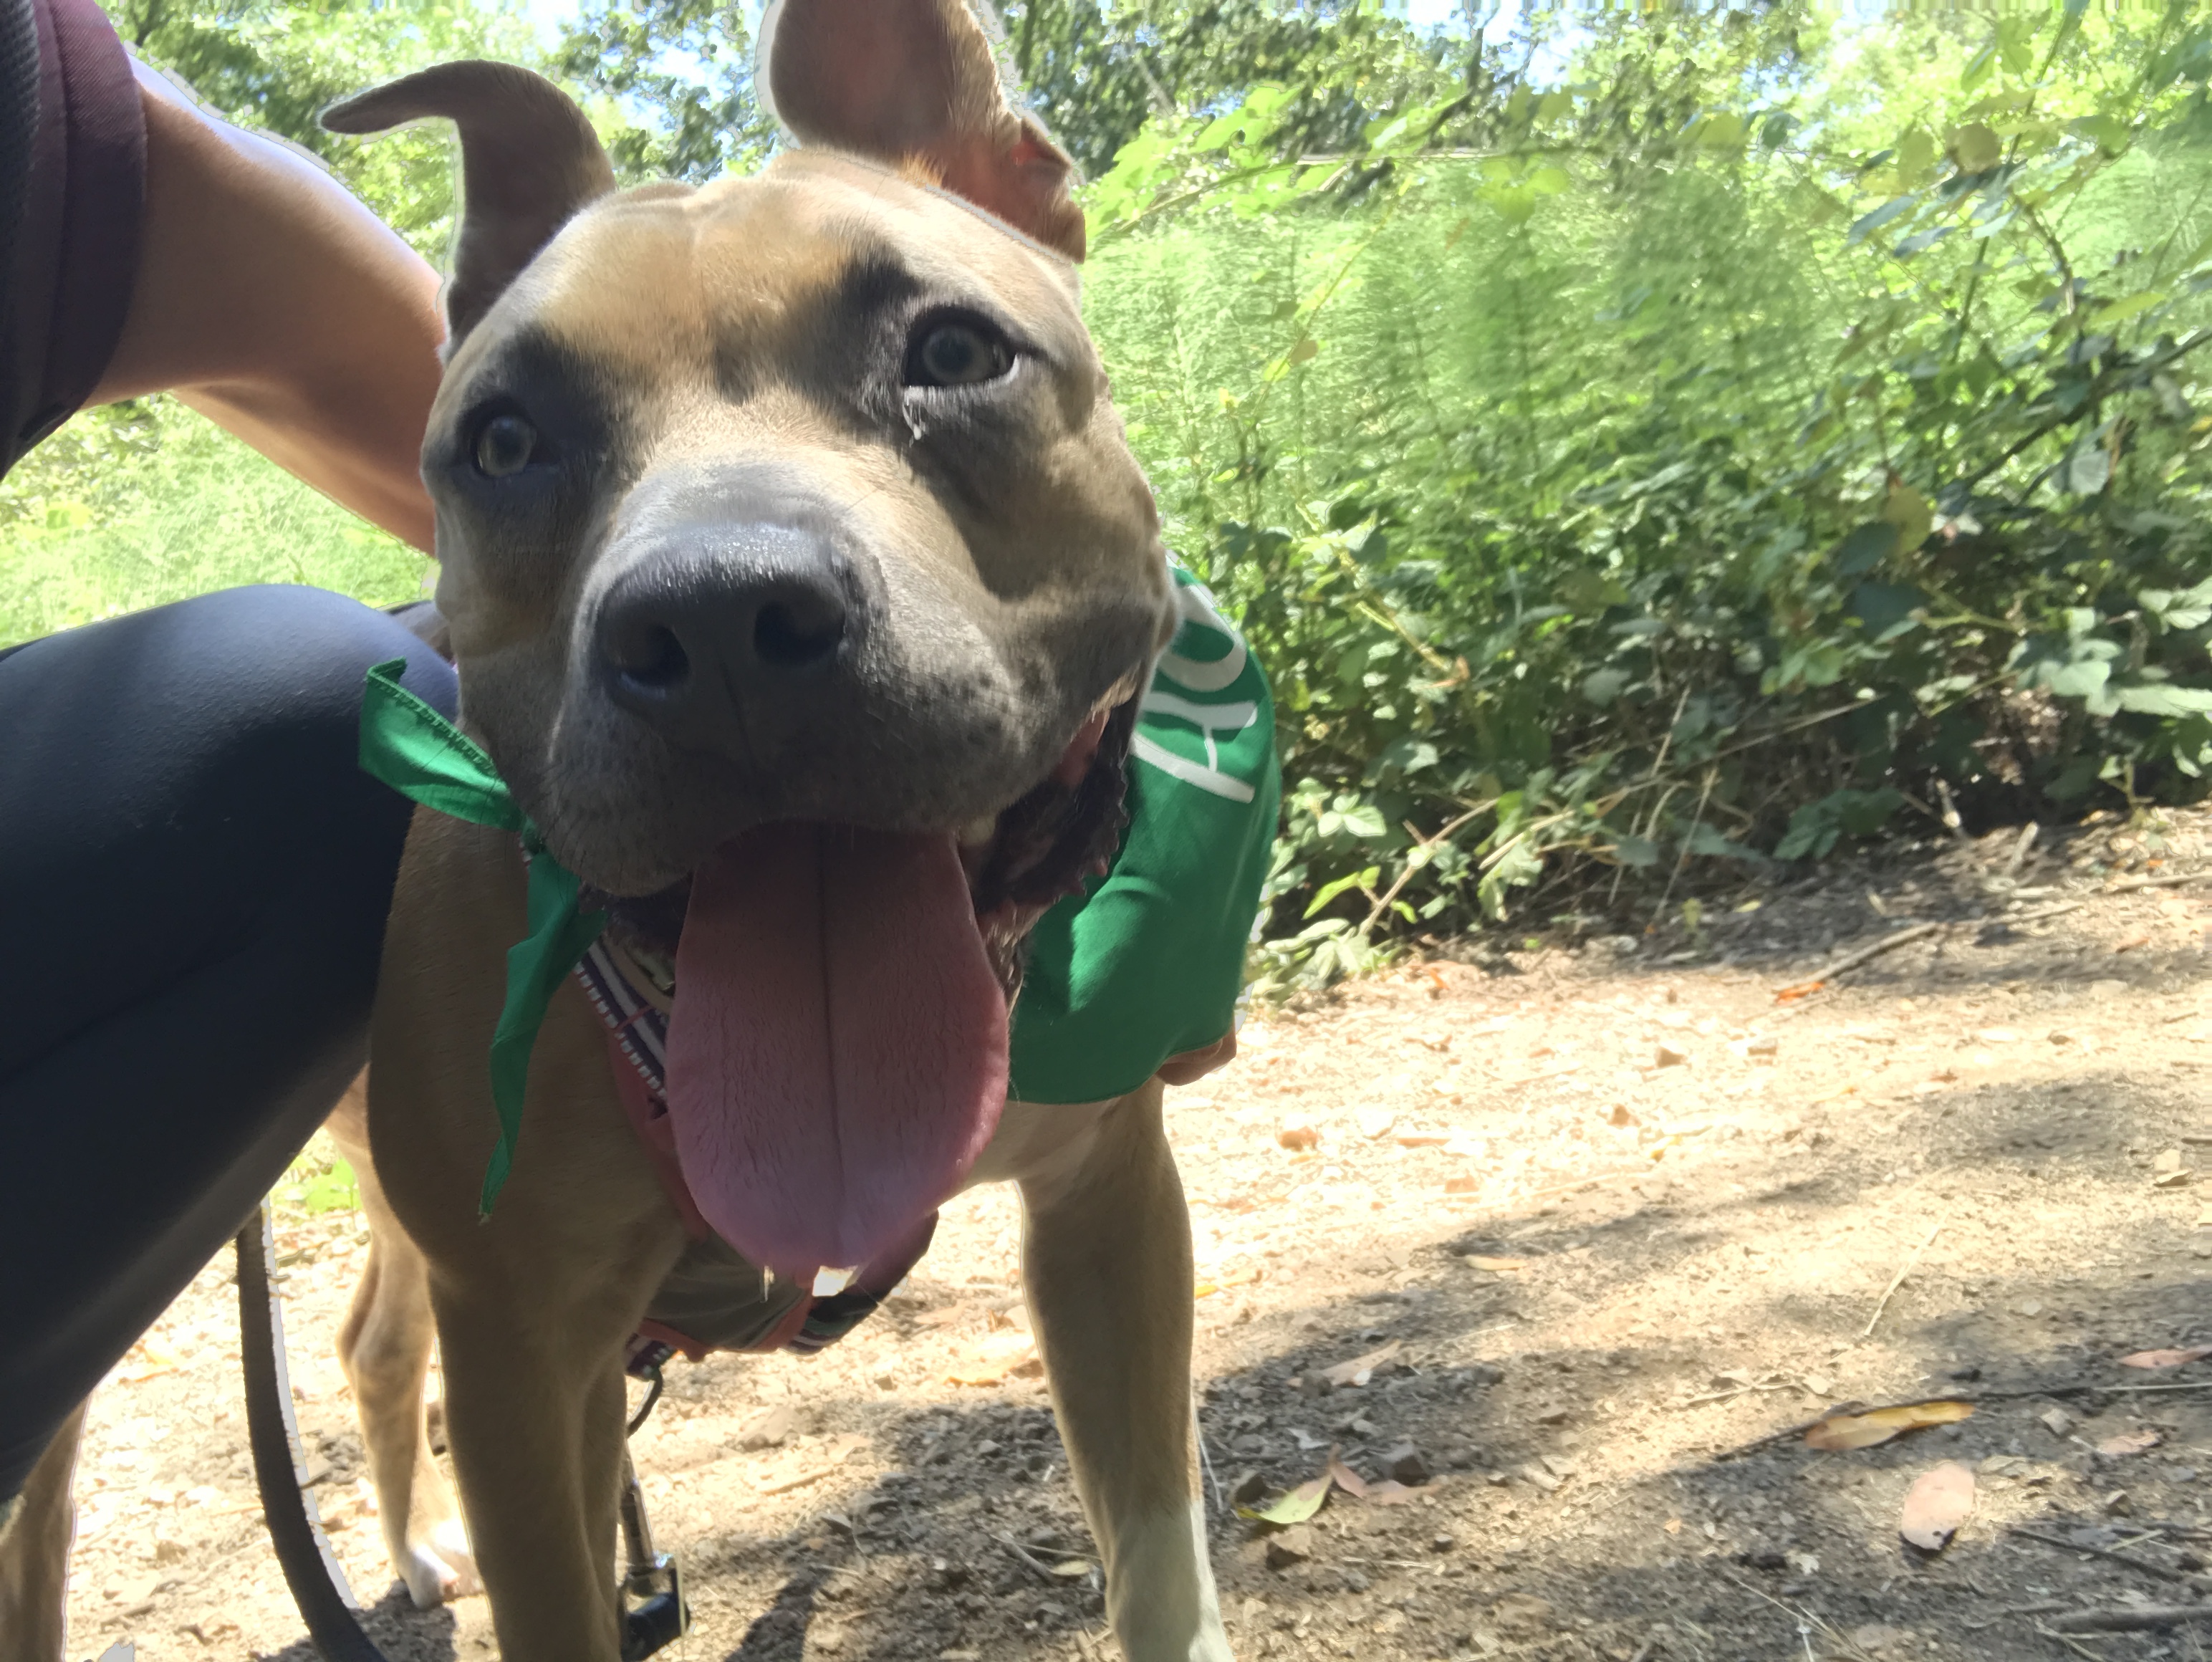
[
  {"x": 1389, "y": 1492},
  {"x": 1936, "y": 1504},
  {"x": 1878, "y": 1425},
  {"x": 1001, "y": 1357},
  {"x": 1496, "y": 1266},
  {"x": 1361, "y": 1369},
  {"x": 2166, "y": 1358},
  {"x": 150, "y": 1358},
  {"x": 2130, "y": 1442}
]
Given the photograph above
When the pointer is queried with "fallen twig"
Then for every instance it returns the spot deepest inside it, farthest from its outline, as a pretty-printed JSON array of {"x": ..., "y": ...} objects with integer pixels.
[
  {"x": 1029, "y": 1558},
  {"x": 2073, "y": 1645},
  {"x": 2142, "y": 1564},
  {"x": 1738, "y": 1390},
  {"x": 1889, "y": 942},
  {"x": 2141, "y": 1619},
  {"x": 2129, "y": 885},
  {"x": 1897, "y": 1280},
  {"x": 785, "y": 1485}
]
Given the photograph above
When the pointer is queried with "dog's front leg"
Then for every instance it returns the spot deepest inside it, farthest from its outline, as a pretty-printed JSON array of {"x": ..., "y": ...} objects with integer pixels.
[
  {"x": 534, "y": 1416},
  {"x": 1106, "y": 1255}
]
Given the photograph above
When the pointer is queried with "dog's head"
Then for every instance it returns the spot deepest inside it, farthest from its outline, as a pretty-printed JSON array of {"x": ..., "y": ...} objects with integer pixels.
[
  {"x": 796, "y": 496},
  {"x": 794, "y": 561}
]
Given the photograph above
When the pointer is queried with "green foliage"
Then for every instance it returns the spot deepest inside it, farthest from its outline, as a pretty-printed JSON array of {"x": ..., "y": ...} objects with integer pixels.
[
  {"x": 144, "y": 502},
  {"x": 1652, "y": 442},
  {"x": 687, "y": 67},
  {"x": 1697, "y": 459},
  {"x": 320, "y": 1180},
  {"x": 1096, "y": 72},
  {"x": 277, "y": 65}
]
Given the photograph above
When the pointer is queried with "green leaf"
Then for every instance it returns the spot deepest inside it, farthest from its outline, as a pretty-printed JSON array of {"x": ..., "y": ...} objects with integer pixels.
[
  {"x": 2162, "y": 698},
  {"x": 1867, "y": 224},
  {"x": 1865, "y": 548},
  {"x": 1635, "y": 851},
  {"x": 2109, "y": 135},
  {"x": 1811, "y": 832},
  {"x": 1916, "y": 154},
  {"x": 2120, "y": 310},
  {"x": 2190, "y": 608},
  {"x": 1906, "y": 511},
  {"x": 1329, "y": 891},
  {"x": 1704, "y": 839},
  {"x": 2079, "y": 679},
  {"x": 1975, "y": 149},
  {"x": 1602, "y": 686},
  {"x": 1591, "y": 591},
  {"x": 1300, "y": 1504},
  {"x": 2087, "y": 468},
  {"x": 1365, "y": 821}
]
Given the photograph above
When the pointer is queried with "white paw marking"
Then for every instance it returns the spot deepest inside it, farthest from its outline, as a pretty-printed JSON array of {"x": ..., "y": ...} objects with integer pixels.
[{"x": 441, "y": 1568}]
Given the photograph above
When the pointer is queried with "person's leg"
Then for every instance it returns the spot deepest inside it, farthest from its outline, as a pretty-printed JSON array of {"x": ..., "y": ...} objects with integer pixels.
[{"x": 194, "y": 874}]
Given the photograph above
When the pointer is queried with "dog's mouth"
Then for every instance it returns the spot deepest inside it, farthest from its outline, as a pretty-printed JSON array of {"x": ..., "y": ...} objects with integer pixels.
[{"x": 837, "y": 1035}]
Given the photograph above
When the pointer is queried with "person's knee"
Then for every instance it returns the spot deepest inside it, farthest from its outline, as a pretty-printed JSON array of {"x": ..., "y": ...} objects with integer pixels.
[
  {"x": 305, "y": 653},
  {"x": 195, "y": 767}
]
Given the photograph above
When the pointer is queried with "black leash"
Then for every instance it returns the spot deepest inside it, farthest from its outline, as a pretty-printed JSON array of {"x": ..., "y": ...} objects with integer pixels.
[{"x": 296, "y": 1525}]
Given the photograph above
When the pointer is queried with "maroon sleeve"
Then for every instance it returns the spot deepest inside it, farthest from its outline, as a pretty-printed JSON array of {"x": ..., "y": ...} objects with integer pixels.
[{"x": 66, "y": 273}]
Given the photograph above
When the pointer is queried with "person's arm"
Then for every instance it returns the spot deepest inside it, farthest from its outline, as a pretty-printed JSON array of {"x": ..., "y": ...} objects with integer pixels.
[{"x": 274, "y": 303}]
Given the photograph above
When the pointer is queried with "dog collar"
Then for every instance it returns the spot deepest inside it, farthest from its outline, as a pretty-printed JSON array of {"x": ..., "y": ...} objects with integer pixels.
[{"x": 426, "y": 758}]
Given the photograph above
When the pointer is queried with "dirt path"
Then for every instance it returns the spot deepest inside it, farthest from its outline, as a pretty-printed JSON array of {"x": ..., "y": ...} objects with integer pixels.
[{"x": 1620, "y": 1219}]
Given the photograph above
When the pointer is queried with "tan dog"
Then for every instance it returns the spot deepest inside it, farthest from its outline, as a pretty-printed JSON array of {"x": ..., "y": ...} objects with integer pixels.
[
  {"x": 789, "y": 543},
  {"x": 794, "y": 563}
]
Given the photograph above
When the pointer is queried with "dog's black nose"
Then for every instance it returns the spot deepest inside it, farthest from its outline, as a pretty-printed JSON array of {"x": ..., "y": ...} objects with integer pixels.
[{"x": 693, "y": 637}]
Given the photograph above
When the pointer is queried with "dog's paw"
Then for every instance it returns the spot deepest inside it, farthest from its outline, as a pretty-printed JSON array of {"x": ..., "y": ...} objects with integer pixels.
[{"x": 440, "y": 1568}]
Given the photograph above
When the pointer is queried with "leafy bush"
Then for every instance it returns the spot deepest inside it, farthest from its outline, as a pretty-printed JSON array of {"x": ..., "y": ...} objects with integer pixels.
[
  {"x": 1705, "y": 458},
  {"x": 1652, "y": 440}
]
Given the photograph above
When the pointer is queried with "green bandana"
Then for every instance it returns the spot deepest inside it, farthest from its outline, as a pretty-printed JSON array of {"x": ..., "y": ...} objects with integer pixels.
[{"x": 426, "y": 758}]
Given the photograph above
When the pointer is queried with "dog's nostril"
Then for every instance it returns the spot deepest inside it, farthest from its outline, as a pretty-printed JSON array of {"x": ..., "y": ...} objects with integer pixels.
[
  {"x": 793, "y": 636},
  {"x": 648, "y": 655}
]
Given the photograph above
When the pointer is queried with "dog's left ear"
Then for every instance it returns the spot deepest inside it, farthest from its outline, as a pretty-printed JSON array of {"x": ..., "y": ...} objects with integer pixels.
[
  {"x": 915, "y": 83},
  {"x": 529, "y": 161}
]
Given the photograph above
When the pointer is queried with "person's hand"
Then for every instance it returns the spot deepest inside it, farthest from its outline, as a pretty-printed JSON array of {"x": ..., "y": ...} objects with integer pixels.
[{"x": 274, "y": 303}]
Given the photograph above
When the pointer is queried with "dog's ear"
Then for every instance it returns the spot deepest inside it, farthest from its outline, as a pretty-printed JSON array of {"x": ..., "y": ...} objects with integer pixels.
[
  {"x": 529, "y": 160},
  {"x": 915, "y": 83}
]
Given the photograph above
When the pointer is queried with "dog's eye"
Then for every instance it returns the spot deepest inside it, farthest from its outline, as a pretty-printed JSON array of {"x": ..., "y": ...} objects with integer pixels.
[
  {"x": 505, "y": 445},
  {"x": 958, "y": 353}
]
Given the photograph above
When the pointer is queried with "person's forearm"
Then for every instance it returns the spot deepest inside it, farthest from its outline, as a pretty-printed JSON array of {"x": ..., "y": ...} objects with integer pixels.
[{"x": 274, "y": 303}]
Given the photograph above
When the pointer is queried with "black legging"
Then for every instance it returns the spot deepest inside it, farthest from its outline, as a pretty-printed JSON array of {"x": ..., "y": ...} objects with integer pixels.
[{"x": 194, "y": 878}]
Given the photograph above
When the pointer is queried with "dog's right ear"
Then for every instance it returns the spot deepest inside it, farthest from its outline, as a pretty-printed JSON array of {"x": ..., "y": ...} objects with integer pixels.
[
  {"x": 529, "y": 161},
  {"x": 916, "y": 83}
]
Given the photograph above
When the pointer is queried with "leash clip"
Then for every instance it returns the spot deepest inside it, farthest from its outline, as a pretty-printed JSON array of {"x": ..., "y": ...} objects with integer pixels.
[{"x": 653, "y": 1578}]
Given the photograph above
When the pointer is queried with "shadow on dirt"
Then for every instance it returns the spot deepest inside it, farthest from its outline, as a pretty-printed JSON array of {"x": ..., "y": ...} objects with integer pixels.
[
  {"x": 403, "y": 1633},
  {"x": 1634, "y": 1496}
]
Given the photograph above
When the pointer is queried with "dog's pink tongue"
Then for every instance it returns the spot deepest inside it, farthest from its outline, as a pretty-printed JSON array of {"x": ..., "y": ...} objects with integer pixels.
[{"x": 837, "y": 1052}]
